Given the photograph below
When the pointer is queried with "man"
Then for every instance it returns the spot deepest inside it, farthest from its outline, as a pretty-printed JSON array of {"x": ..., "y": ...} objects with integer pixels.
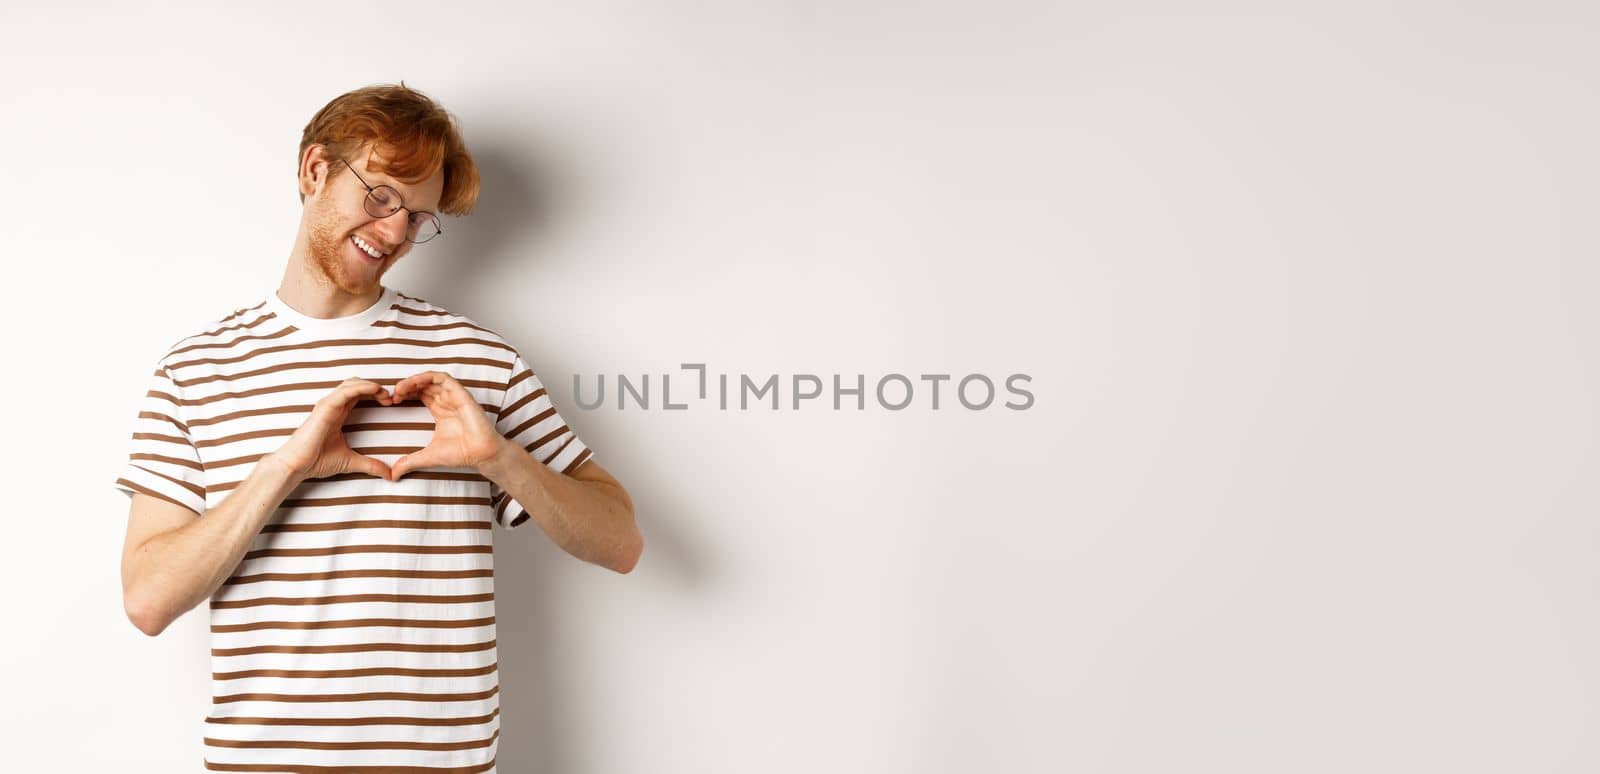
[{"x": 325, "y": 466}]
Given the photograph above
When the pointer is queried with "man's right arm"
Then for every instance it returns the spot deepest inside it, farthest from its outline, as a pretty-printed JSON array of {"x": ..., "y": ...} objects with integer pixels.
[{"x": 173, "y": 559}]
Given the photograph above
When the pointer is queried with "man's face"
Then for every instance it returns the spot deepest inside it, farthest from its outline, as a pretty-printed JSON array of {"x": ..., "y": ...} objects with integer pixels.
[{"x": 337, "y": 217}]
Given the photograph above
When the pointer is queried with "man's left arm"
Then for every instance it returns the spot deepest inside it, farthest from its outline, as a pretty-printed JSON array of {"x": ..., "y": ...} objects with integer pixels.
[{"x": 587, "y": 513}]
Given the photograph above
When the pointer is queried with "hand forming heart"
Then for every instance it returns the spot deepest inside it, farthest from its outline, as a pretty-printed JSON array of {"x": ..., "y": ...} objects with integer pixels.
[
  {"x": 317, "y": 448},
  {"x": 462, "y": 433}
]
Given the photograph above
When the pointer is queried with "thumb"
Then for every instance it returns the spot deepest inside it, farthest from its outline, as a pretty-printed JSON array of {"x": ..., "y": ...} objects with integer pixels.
[
  {"x": 361, "y": 463},
  {"x": 417, "y": 460}
]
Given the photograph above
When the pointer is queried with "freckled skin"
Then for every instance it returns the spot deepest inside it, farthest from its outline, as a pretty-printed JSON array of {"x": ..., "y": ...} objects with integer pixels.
[
  {"x": 327, "y": 245},
  {"x": 326, "y": 265}
]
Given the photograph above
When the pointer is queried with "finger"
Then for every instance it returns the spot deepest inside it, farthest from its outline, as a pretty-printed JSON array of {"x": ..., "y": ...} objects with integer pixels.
[
  {"x": 417, "y": 382},
  {"x": 331, "y": 409},
  {"x": 406, "y": 388},
  {"x": 456, "y": 393},
  {"x": 348, "y": 396},
  {"x": 448, "y": 388},
  {"x": 350, "y": 392},
  {"x": 356, "y": 389},
  {"x": 442, "y": 403},
  {"x": 409, "y": 385},
  {"x": 365, "y": 388},
  {"x": 425, "y": 457},
  {"x": 357, "y": 381}
]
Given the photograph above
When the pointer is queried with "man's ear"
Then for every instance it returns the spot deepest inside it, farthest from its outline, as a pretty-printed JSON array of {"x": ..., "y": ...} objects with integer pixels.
[{"x": 313, "y": 170}]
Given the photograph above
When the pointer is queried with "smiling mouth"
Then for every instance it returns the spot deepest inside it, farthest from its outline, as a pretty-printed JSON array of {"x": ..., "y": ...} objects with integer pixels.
[{"x": 367, "y": 249}]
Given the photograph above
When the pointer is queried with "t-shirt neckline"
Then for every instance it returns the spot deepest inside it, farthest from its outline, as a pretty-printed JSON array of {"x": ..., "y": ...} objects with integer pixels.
[{"x": 351, "y": 322}]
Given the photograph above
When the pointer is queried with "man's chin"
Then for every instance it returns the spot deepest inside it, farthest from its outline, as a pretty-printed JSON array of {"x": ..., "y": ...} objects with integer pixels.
[
  {"x": 357, "y": 288},
  {"x": 354, "y": 283}
]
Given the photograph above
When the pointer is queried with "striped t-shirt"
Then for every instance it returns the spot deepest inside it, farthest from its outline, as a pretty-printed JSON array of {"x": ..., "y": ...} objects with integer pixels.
[{"x": 358, "y": 632}]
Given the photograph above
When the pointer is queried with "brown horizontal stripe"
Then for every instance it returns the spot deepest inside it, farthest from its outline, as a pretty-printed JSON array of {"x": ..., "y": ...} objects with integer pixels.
[
  {"x": 291, "y": 387},
  {"x": 372, "y": 573},
  {"x": 162, "y": 396},
  {"x": 198, "y": 492},
  {"x": 247, "y": 459},
  {"x": 347, "y": 361},
  {"x": 382, "y": 523},
  {"x": 314, "y": 502},
  {"x": 283, "y": 431},
  {"x": 352, "y": 623},
  {"x": 560, "y": 449},
  {"x": 280, "y": 768},
  {"x": 191, "y": 464},
  {"x": 537, "y": 418},
  {"x": 430, "y": 475},
  {"x": 242, "y": 310},
  {"x": 326, "y": 385},
  {"x": 523, "y": 401},
  {"x": 281, "y": 744},
  {"x": 547, "y": 437},
  {"x": 361, "y": 672},
  {"x": 306, "y": 409},
  {"x": 521, "y": 517},
  {"x": 362, "y": 450},
  {"x": 375, "y": 696},
  {"x": 441, "y": 599},
  {"x": 359, "y": 647},
  {"x": 375, "y": 426},
  {"x": 324, "y": 343},
  {"x": 416, "y": 327},
  {"x": 225, "y": 344},
  {"x": 420, "y": 312},
  {"x": 368, "y": 450},
  {"x": 227, "y": 439},
  {"x": 240, "y": 326},
  {"x": 577, "y": 461},
  {"x": 518, "y": 379},
  {"x": 380, "y": 720},
  {"x": 163, "y": 418},
  {"x": 155, "y": 494},
  {"x": 375, "y": 548},
  {"x": 178, "y": 439}
]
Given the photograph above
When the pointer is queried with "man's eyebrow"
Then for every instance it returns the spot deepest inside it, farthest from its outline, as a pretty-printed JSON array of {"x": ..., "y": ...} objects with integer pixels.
[{"x": 395, "y": 184}]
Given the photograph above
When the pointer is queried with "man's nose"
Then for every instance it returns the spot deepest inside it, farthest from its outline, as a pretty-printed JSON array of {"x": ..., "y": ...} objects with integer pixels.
[{"x": 393, "y": 229}]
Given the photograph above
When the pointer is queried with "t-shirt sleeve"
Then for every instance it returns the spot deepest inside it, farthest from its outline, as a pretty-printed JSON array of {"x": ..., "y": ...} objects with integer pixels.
[
  {"x": 530, "y": 420},
  {"x": 162, "y": 460}
]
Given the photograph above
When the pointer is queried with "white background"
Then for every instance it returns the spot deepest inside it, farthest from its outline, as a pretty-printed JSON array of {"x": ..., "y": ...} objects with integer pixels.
[{"x": 1306, "y": 291}]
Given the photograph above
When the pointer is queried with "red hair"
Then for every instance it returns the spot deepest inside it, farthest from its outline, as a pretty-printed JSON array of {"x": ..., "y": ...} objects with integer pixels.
[{"x": 412, "y": 137}]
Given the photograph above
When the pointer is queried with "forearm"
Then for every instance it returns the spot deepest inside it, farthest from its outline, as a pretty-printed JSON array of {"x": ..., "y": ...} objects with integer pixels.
[
  {"x": 588, "y": 519},
  {"x": 174, "y": 571}
]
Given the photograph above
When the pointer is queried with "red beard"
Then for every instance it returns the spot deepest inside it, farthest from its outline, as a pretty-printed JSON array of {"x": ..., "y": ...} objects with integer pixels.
[{"x": 329, "y": 254}]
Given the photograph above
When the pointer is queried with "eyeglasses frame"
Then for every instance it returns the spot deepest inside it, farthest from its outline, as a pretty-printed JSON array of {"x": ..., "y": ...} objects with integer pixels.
[{"x": 409, "y": 212}]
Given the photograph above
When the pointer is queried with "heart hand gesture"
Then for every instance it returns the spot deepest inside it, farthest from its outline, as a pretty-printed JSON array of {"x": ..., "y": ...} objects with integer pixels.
[
  {"x": 463, "y": 436},
  {"x": 317, "y": 449}
]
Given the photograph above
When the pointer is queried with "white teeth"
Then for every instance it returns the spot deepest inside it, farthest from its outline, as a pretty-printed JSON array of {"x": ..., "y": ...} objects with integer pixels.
[{"x": 369, "y": 249}]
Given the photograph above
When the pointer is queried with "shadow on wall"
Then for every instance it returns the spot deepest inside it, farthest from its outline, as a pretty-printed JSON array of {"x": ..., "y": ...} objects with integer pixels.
[
  {"x": 540, "y": 674},
  {"x": 518, "y": 205},
  {"x": 523, "y": 202}
]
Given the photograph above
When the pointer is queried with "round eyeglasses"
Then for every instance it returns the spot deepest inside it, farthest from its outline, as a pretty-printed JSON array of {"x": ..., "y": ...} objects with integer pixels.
[{"x": 383, "y": 201}]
